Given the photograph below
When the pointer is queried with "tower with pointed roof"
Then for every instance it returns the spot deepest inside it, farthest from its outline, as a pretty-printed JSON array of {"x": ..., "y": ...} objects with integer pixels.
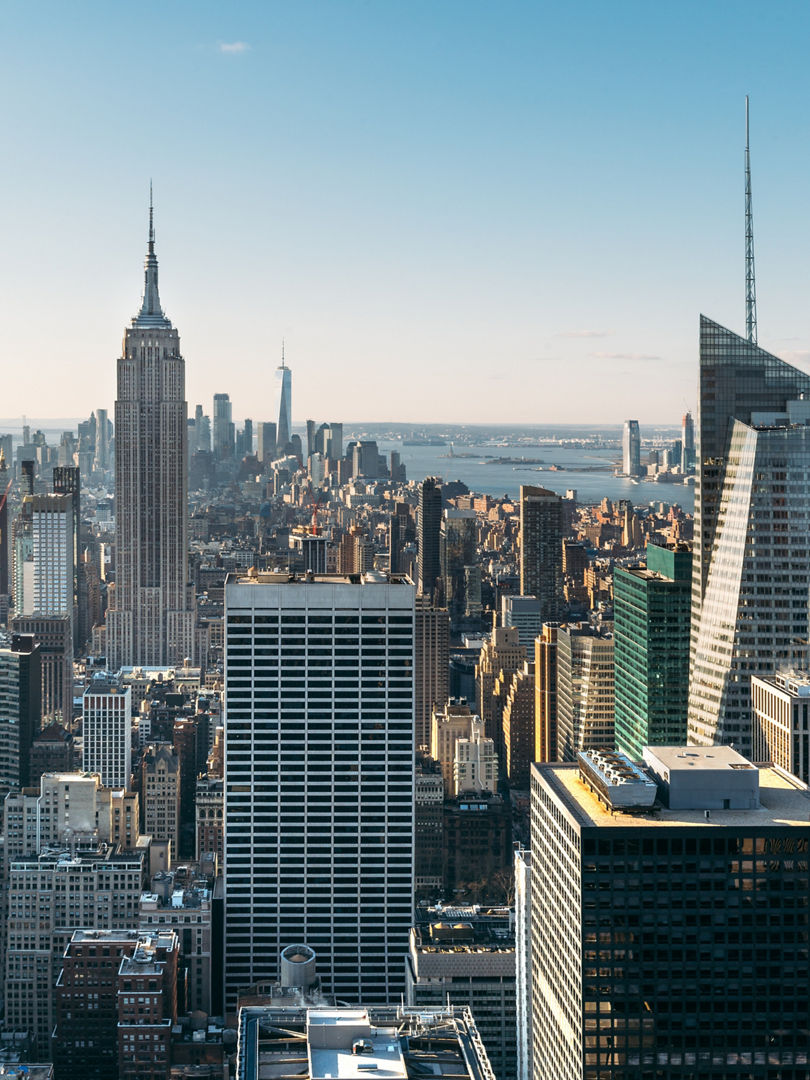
[
  {"x": 282, "y": 403},
  {"x": 152, "y": 619}
]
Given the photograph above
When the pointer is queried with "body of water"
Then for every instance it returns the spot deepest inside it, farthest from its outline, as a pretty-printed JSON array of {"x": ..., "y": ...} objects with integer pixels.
[{"x": 588, "y": 471}]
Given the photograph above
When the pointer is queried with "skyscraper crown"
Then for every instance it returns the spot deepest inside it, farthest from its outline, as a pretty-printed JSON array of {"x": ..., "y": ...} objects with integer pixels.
[{"x": 151, "y": 313}]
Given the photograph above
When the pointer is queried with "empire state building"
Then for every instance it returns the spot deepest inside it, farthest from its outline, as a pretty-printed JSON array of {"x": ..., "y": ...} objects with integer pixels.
[{"x": 152, "y": 616}]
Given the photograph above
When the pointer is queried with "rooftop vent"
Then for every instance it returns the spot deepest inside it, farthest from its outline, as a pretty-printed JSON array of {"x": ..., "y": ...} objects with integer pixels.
[{"x": 620, "y": 783}]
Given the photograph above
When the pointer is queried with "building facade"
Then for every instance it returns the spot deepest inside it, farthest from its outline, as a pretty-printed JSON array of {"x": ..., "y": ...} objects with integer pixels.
[
  {"x": 523, "y": 962},
  {"x": 50, "y": 897},
  {"x": 524, "y": 612},
  {"x": 107, "y": 731},
  {"x": 20, "y": 708},
  {"x": 431, "y": 664},
  {"x": 160, "y": 794},
  {"x": 502, "y": 654},
  {"x": 781, "y": 724},
  {"x": 319, "y": 778},
  {"x": 428, "y": 527},
  {"x": 518, "y": 726},
  {"x": 585, "y": 715},
  {"x": 545, "y": 694}
]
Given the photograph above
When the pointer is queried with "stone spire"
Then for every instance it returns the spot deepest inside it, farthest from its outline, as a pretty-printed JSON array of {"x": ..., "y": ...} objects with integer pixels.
[{"x": 151, "y": 313}]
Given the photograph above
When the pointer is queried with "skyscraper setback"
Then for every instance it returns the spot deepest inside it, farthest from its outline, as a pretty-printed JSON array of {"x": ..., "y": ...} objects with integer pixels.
[{"x": 151, "y": 620}]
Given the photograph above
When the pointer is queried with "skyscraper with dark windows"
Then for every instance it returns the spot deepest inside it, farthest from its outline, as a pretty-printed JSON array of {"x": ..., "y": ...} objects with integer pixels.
[
  {"x": 541, "y": 536},
  {"x": 319, "y": 818},
  {"x": 152, "y": 619},
  {"x": 668, "y": 918},
  {"x": 428, "y": 528},
  {"x": 750, "y": 596},
  {"x": 20, "y": 708}
]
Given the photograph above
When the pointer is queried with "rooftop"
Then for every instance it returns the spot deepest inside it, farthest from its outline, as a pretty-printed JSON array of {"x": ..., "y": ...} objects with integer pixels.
[
  {"x": 102, "y": 936},
  {"x": 702, "y": 758},
  {"x": 254, "y": 577},
  {"x": 346, "y": 1044},
  {"x": 105, "y": 683},
  {"x": 795, "y": 681},
  {"x": 784, "y": 801}
]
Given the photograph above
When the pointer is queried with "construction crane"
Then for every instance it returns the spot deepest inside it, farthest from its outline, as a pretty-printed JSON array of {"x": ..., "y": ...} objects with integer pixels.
[{"x": 315, "y": 504}]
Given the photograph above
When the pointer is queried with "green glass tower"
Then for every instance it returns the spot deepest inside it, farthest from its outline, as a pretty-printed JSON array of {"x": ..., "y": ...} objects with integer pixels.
[{"x": 651, "y": 650}]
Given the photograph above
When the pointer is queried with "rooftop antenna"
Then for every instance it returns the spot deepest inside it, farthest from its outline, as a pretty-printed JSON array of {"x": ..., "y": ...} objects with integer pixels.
[
  {"x": 151, "y": 218},
  {"x": 750, "y": 280}
]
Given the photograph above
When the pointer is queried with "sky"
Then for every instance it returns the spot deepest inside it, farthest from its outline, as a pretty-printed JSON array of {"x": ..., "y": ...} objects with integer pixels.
[{"x": 449, "y": 211}]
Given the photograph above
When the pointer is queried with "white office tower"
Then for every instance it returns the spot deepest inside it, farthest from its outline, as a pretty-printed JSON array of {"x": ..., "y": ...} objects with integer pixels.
[
  {"x": 523, "y": 961},
  {"x": 282, "y": 404},
  {"x": 752, "y": 514},
  {"x": 107, "y": 731},
  {"x": 152, "y": 615},
  {"x": 319, "y": 778}
]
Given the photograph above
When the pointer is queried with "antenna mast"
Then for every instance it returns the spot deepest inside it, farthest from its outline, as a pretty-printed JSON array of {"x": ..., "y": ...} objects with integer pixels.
[{"x": 750, "y": 279}]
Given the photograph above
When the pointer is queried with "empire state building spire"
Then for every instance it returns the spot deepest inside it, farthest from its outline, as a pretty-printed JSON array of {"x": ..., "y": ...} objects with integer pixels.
[
  {"x": 151, "y": 313},
  {"x": 151, "y": 617}
]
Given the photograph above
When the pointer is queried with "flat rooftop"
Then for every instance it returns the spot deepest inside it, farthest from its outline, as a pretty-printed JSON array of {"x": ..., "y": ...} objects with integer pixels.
[
  {"x": 700, "y": 758},
  {"x": 396, "y": 1044},
  {"x": 784, "y": 800},
  {"x": 371, "y": 577},
  {"x": 357, "y": 1046}
]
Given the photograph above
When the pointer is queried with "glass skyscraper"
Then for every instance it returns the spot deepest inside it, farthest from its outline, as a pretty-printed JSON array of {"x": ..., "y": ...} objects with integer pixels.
[
  {"x": 282, "y": 405},
  {"x": 631, "y": 449},
  {"x": 651, "y": 650},
  {"x": 750, "y": 599}
]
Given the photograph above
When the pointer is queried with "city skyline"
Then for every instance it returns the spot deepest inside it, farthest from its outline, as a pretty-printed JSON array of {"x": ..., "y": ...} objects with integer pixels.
[{"x": 345, "y": 179}]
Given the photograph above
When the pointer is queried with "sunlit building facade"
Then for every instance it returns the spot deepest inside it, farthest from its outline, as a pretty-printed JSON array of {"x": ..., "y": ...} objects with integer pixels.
[{"x": 751, "y": 566}]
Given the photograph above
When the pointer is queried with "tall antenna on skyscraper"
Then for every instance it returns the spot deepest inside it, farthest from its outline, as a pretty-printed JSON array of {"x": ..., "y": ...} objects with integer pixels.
[{"x": 750, "y": 279}]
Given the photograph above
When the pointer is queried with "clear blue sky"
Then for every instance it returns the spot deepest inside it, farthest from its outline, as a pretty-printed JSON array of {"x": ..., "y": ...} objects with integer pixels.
[{"x": 450, "y": 210}]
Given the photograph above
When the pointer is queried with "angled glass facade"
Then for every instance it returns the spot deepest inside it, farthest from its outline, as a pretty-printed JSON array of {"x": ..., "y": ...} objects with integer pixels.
[
  {"x": 651, "y": 650},
  {"x": 749, "y": 582}
]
